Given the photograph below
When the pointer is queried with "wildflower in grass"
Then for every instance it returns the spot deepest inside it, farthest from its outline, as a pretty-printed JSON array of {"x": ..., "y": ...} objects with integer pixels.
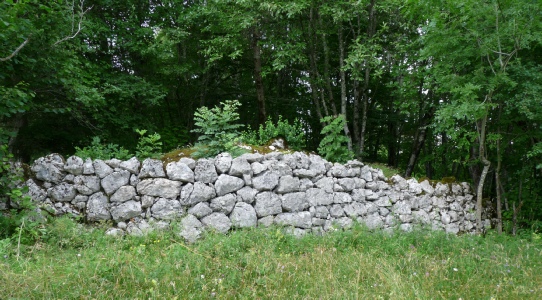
[{"x": 455, "y": 270}]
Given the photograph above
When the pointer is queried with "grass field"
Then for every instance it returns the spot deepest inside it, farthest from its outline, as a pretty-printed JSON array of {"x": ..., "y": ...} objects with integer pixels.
[{"x": 77, "y": 263}]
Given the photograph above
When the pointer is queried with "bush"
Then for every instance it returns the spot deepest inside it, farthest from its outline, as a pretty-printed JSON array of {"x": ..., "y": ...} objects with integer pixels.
[
  {"x": 22, "y": 221},
  {"x": 148, "y": 146},
  {"x": 294, "y": 134},
  {"x": 98, "y": 150},
  {"x": 333, "y": 147},
  {"x": 218, "y": 130}
]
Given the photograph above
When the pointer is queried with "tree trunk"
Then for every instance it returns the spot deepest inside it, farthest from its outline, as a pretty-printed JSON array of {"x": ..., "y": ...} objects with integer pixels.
[
  {"x": 343, "y": 88},
  {"x": 485, "y": 170},
  {"x": 258, "y": 76},
  {"x": 326, "y": 72},
  {"x": 370, "y": 32}
]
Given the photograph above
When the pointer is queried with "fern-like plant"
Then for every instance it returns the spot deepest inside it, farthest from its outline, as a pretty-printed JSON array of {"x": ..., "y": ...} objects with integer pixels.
[
  {"x": 334, "y": 146},
  {"x": 294, "y": 133},
  {"x": 218, "y": 129},
  {"x": 148, "y": 145}
]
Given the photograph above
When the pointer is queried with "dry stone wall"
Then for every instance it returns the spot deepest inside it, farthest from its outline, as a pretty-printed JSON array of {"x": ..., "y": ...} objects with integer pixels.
[{"x": 303, "y": 192}]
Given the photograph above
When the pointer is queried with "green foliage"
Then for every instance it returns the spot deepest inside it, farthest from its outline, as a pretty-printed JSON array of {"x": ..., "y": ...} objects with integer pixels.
[
  {"x": 247, "y": 264},
  {"x": 99, "y": 150},
  {"x": 294, "y": 134},
  {"x": 334, "y": 145},
  {"x": 218, "y": 129},
  {"x": 22, "y": 222},
  {"x": 148, "y": 146}
]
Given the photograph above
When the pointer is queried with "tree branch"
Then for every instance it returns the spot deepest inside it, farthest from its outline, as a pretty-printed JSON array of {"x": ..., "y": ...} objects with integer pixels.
[
  {"x": 79, "y": 26},
  {"x": 16, "y": 51}
]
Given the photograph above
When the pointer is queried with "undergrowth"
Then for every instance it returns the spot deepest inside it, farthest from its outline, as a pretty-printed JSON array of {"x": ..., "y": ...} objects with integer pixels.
[{"x": 78, "y": 263}]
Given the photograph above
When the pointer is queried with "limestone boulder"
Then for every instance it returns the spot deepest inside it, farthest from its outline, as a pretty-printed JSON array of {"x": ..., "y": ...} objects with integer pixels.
[
  {"x": 243, "y": 215},
  {"x": 159, "y": 187}
]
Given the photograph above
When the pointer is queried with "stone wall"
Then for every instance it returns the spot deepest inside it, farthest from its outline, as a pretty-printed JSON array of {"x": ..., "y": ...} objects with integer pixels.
[{"x": 303, "y": 192}]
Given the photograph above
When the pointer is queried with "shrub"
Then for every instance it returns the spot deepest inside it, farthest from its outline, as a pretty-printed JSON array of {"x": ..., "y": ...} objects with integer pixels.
[
  {"x": 148, "y": 146},
  {"x": 294, "y": 134},
  {"x": 218, "y": 130},
  {"x": 333, "y": 146},
  {"x": 98, "y": 150},
  {"x": 22, "y": 221}
]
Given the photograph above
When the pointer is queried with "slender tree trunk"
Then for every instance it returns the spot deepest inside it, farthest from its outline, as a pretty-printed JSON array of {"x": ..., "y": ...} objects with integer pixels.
[
  {"x": 370, "y": 32},
  {"x": 485, "y": 170},
  {"x": 355, "y": 123},
  {"x": 343, "y": 88},
  {"x": 327, "y": 76},
  {"x": 262, "y": 115}
]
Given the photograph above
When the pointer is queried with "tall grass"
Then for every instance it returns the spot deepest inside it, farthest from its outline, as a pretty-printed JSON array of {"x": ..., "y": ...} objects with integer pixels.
[{"x": 78, "y": 263}]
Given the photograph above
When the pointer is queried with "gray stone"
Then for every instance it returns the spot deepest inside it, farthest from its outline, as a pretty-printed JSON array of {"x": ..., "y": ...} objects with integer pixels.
[
  {"x": 317, "y": 165},
  {"x": 439, "y": 202},
  {"x": 116, "y": 232},
  {"x": 243, "y": 215},
  {"x": 441, "y": 189},
  {"x": 257, "y": 168},
  {"x": 123, "y": 194},
  {"x": 240, "y": 167},
  {"x": 201, "y": 192},
  {"x": 383, "y": 211},
  {"x": 87, "y": 185},
  {"x": 452, "y": 228},
  {"x": 227, "y": 184},
  {"x": 273, "y": 156},
  {"x": 126, "y": 211},
  {"x": 302, "y": 161},
  {"x": 113, "y": 163},
  {"x": 427, "y": 188},
  {"x": 132, "y": 165},
  {"x": 98, "y": 208},
  {"x": 152, "y": 168},
  {"x": 326, "y": 184},
  {"x": 298, "y": 219},
  {"x": 373, "y": 186},
  {"x": 340, "y": 198},
  {"x": 317, "y": 197},
  {"x": 288, "y": 184},
  {"x": 266, "y": 221},
  {"x": 266, "y": 181},
  {"x": 147, "y": 201},
  {"x": 34, "y": 191},
  {"x": 247, "y": 194},
  {"x": 280, "y": 168},
  {"x": 205, "y": 171},
  {"x": 49, "y": 168},
  {"x": 134, "y": 180},
  {"x": 343, "y": 223},
  {"x": 414, "y": 187},
  {"x": 223, "y": 163},
  {"x": 267, "y": 203},
  {"x": 371, "y": 207},
  {"x": 166, "y": 209},
  {"x": 63, "y": 192},
  {"x": 366, "y": 174},
  {"x": 191, "y": 228},
  {"x": 159, "y": 187},
  {"x": 318, "y": 222},
  {"x": 88, "y": 168},
  {"x": 383, "y": 201},
  {"x": 74, "y": 165},
  {"x": 217, "y": 221},
  {"x": 321, "y": 212},
  {"x": 341, "y": 171},
  {"x": 114, "y": 181},
  {"x": 445, "y": 218},
  {"x": 305, "y": 184},
  {"x": 406, "y": 218},
  {"x": 189, "y": 162},
  {"x": 336, "y": 211},
  {"x": 402, "y": 208},
  {"x": 252, "y": 157},
  {"x": 101, "y": 168},
  {"x": 355, "y": 209},
  {"x": 223, "y": 204},
  {"x": 358, "y": 195},
  {"x": 294, "y": 202},
  {"x": 303, "y": 173},
  {"x": 348, "y": 184},
  {"x": 200, "y": 210},
  {"x": 373, "y": 221},
  {"x": 421, "y": 217},
  {"x": 371, "y": 196}
]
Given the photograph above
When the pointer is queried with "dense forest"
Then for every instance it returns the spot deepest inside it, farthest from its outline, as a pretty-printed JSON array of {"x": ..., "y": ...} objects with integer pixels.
[{"x": 435, "y": 88}]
